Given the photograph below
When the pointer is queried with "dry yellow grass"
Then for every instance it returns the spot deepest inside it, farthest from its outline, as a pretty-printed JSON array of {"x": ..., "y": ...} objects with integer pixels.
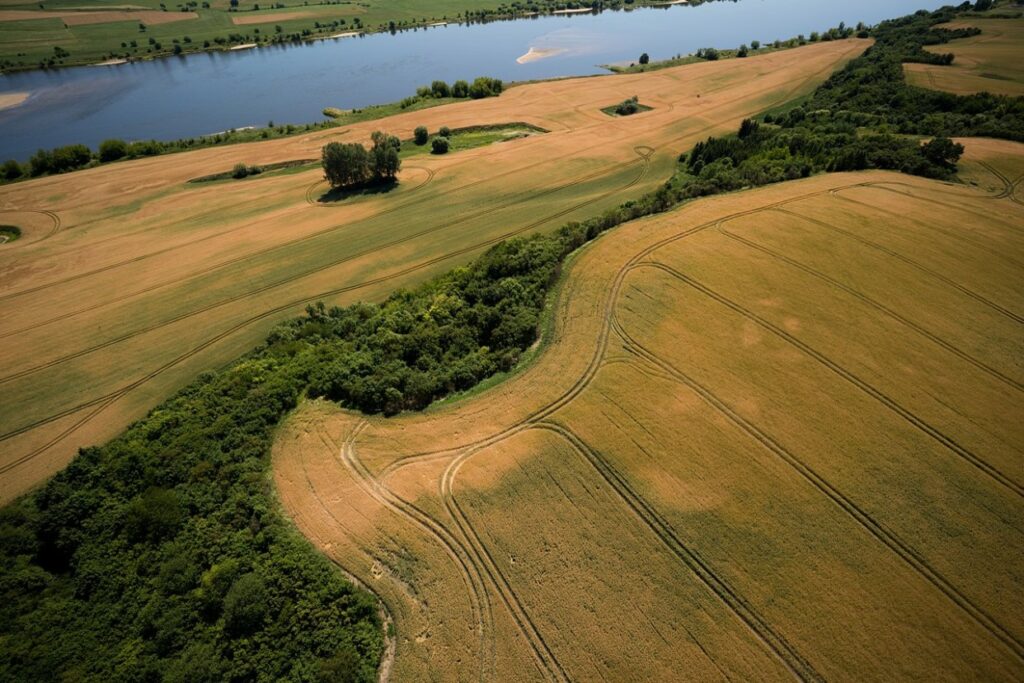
[
  {"x": 991, "y": 62},
  {"x": 128, "y": 281},
  {"x": 772, "y": 434}
]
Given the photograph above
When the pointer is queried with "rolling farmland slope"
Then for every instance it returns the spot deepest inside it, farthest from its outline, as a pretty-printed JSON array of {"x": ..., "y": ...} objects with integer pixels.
[
  {"x": 127, "y": 280},
  {"x": 989, "y": 62},
  {"x": 772, "y": 434}
]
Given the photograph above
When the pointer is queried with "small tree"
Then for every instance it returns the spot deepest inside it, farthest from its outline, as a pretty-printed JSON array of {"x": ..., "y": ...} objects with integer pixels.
[
  {"x": 755, "y": 44},
  {"x": 111, "y": 150},
  {"x": 439, "y": 146},
  {"x": 420, "y": 135},
  {"x": 942, "y": 152},
  {"x": 11, "y": 170},
  {"x": 742, "y": 52},
  {"x": 644, "y": 58},
  {"x": 460, "y": 89},
  {"x": 439, "y": 89},
  {"x": 445, "y": 132},
  {"x": 239, "y": 171},
  {"x": 384, "y": 158}
]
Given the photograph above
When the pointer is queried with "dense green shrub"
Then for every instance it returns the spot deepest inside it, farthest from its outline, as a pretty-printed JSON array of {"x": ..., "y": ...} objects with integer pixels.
[
  {"x": 439, "y": 145},
  {"x": 112, "y": 150},
  {"x": 420, "y": 135}
]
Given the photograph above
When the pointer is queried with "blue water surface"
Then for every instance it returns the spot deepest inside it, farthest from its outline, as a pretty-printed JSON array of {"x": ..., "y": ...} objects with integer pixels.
[{"x": 205, "y": 93}]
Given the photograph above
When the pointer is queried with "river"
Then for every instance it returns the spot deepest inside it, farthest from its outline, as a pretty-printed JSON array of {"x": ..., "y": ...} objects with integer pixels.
[{"x": 204, "y": 93}]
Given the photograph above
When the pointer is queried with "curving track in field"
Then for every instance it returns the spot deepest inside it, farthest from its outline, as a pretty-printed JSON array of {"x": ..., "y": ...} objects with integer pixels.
[{"x": 544, "y": 418}]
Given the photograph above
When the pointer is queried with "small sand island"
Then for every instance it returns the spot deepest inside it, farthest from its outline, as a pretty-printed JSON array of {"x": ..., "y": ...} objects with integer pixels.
[
  {"x": 9, "y": 100},
  {"x": 246, "y": 46},
  {"x": 536, "y": 53}
]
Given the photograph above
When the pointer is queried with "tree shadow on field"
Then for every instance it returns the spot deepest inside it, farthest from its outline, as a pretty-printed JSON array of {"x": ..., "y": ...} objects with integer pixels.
[{"x": 340, "y": 194}]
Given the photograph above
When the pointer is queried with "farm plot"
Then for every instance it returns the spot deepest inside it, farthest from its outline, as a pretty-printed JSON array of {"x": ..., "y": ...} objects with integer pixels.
[
  {"x": 773, "y": 434},
  {"x": 128, "y": 280},
  {"x": 989, "y": 62}
]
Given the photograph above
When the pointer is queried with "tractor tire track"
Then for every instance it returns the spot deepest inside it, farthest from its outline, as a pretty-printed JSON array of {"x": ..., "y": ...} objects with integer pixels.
[
  {"x": 602, "y": 342},
  {"x": 872, "y": 303},
  {"x": 464, "y": 560},
  {"x": 919, "y": 266},
  {"x": 387, "y": 612},
  {"x": 108, "y": 399},
  {"x": 947, "y": 442},
  {"x": 52, "y": 215},
  {"x": 929, "y": 226},
  {"x": 645, "y": 161},
  {"x": 546, "y": 659},
  {"x": 699, "y": 132},
  {"x": 880, "y": 532},
  {"x": 659, "y": 526}
]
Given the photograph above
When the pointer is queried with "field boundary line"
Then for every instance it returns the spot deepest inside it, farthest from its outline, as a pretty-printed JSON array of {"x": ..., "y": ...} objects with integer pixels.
[{"x": 879, "y": 531}]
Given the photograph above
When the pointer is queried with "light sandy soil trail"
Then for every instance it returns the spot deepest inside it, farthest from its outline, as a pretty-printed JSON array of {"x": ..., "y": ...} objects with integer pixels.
[
  {"x": 772, "y": 435},
  {"x": 128, "y": 281}
]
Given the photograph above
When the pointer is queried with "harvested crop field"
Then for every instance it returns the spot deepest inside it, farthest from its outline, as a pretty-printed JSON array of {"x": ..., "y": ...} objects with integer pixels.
[
  {"x": 84, "y": 18},
  {"x": 989, "y": 62},
  {"x": 770, "y": 434},
  {"x": 128, "y": 280}
]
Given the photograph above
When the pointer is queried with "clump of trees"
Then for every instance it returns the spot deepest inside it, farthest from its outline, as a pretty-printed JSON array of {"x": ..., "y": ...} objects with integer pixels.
[
  {"x": 351, "y": 164},
  {"x": 628, "y": 107},
  {"x": 241, "y": 170},
  {"x": 482, "y": 86}
]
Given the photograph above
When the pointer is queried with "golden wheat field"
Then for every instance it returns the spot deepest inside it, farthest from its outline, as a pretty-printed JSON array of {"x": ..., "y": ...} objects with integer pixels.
[
  {"x": 989, "y": 62},
  {"x": 129, "y": 280},
  {"x": 768, "y": 435}
]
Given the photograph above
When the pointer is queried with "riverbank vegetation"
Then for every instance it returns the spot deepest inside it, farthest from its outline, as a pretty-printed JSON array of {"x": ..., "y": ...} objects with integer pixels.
[
  {"x": 76, "y": 157},
  {"x": 163, "y": 554}
]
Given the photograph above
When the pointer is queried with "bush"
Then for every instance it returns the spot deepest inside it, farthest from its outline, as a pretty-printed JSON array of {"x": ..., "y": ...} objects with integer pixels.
[
  {"x": 445, "y": 132},
  {"x": 112, "y": 150},
  {"x": 11, "y": 170},
  {"x": 485, "y": 87},
  {"x": 628, "y": 107},
  {"x": 439, "y": 89},
  {"x": 239, "y": 171},
  {"x": 439, "y": 145},
  {"x": 420, "y": 135},
  {"x": 644, "y": 58},
  {"x": 460, "y": 89}
]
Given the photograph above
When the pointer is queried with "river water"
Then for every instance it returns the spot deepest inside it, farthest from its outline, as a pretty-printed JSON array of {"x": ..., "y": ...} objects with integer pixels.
[{"x": 204, "y": 93}]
